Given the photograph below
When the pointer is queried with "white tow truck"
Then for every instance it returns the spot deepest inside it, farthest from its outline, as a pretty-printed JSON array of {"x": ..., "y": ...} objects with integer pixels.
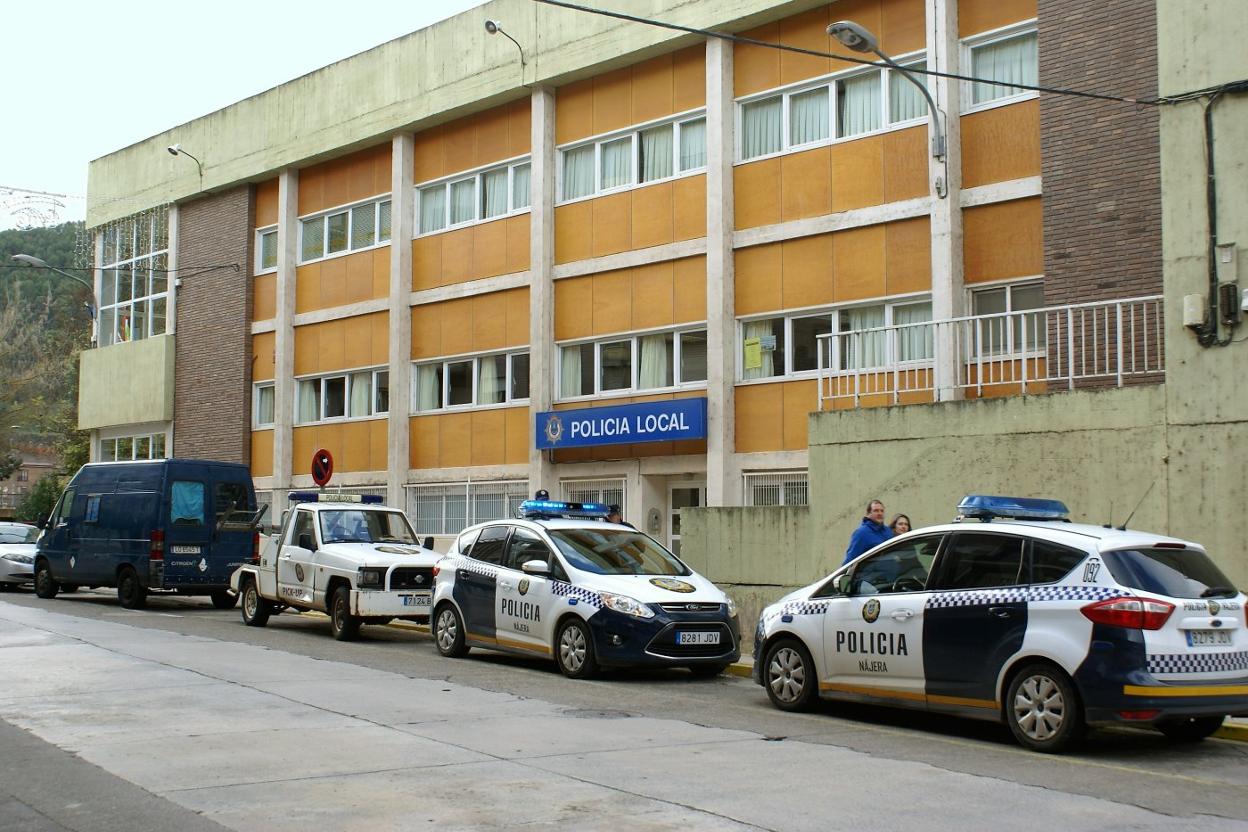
[{"x": 344, "y": 555}]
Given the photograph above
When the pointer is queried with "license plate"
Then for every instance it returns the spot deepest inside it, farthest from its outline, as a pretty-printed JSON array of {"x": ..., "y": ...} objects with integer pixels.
[
  {"x": 184, "y": 550},
  {"x": 697, "y": 637},
  {"x": 1202, "y": 638},
  {"x": 423, "y": 600}
]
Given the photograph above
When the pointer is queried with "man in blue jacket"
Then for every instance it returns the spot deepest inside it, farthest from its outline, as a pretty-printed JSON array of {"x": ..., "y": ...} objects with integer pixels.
[{"x": 871, "y": 533}]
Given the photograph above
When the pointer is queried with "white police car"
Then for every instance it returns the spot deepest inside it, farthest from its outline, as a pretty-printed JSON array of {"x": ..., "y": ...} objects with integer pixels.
[
  {"x": 1047, "y": 625},
  {"x": 563, "y": 583}
]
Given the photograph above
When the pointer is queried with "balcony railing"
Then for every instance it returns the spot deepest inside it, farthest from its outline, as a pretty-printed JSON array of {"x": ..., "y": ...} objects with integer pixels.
[{"x": 1108, "y": 343}]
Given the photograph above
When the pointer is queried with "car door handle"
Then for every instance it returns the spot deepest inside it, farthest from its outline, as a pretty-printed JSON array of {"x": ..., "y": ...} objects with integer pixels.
[
  {"x": 1000, "y": 612},
  {"x": 505, "y": 585},
  {"x": 901, "y": 615}
]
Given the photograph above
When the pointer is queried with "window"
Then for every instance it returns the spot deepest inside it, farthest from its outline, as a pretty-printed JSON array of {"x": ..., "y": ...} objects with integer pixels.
[
  {"x": 473, "y": 197},
  {"x": 1012, "y": 58},
  {"x": 486, "y": 380},
  {"x": 1001, "y": 331},
  {"x": 303, "y": 525},
  {"x": 608, "y": 492},
  {"x": 902, "y": 568},
  {"x": 186, "y": 503},
  {"x": 653, "y": 361},
  {"x": 266, "y": 250},
  {"x": 264, "y": 405},
  {"x": 65, "y": 508},
  {"x": 637, "y": 157},
  {"x": 848, "y": 105},
  {"x": 134, "y": 278},
  {"x": 1051, "y": 562},
  {"x": 359, "y": 227},
  {"x": 447, "y": 508},
  {"x": 489, "y": 545},
  {"x": 779, "y": 488},
  {"x": 525, "y": 546},
  {"x": 354, "y": 395},
  {"x": 762, "y": 348},
  {"x": 145, "y": 446},
  {"x": 980, "y": 561},
  {"x": 23, "y": 475}
]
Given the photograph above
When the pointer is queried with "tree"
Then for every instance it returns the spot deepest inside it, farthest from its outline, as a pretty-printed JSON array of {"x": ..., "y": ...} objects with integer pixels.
[{"x": 40, "y": 500}]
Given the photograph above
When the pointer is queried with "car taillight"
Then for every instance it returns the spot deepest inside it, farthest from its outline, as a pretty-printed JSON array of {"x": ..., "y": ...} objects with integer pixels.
[
  {"x": 436, "y": 570},
  {"x": 255, "y": 547},
  {"x": 1136, "y": 613},
  {"x": 156, "y": 549}
]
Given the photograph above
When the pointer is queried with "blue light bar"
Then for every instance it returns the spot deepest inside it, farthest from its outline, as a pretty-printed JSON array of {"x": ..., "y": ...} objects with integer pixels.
[
  {"x": 559, "y": 508},
  {"x": 333, "y": 497},
  {"x": 984, "y": 507}
]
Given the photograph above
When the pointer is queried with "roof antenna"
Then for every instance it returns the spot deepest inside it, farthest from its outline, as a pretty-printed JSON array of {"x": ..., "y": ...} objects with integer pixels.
[
  {"x": 1123, "y": 527},
  {"x": 1110, "y": 524}
]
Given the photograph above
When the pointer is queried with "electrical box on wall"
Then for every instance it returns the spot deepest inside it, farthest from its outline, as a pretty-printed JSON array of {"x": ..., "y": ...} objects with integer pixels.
[{"x": 1193, "y": 310}]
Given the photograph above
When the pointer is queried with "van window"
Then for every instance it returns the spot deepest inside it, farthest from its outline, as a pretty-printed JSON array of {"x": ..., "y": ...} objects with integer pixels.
[
  {"x": 230, "y": 503},
  {"x": 66, "y": 506},
  {"x": 186, "y": 506},
  {"x": 92, "y": 514}
]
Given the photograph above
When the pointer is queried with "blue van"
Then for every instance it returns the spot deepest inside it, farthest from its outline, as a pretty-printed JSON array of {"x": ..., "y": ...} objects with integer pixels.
[{"x": 182, "y": 525}]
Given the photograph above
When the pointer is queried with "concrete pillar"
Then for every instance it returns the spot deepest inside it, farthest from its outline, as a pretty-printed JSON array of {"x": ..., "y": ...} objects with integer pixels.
[
  {"x": 284, "y": 336},
  {"x": 542, "y": 361},
  {"x": 402, "y": 209},
  {"x": 948, "y": 292},
  {"x": 723, "y": 479}
]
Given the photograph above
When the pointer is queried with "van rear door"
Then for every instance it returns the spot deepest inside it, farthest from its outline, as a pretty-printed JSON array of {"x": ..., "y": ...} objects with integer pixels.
[
  {"x": 234, "y": 506},
  {"x": 188, "y": 530}
]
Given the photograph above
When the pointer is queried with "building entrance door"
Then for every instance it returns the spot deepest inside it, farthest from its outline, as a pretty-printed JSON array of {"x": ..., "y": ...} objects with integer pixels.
[{"x": 681, "y": 495}]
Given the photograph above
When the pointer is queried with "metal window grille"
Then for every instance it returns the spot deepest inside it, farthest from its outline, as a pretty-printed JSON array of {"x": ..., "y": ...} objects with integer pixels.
[
  {"x": 777, "y": 488},
  {"x": 610, "y": 492},
  {"x": 449, "y": 508}
]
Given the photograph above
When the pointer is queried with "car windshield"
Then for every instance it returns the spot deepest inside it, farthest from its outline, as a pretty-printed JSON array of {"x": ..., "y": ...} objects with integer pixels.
[
  {"x": 20, "y": 534},
  {"x": 616, "y": 552},
  {"x": 1179, "y": 573},
  {"x": 355, "y": 525}
]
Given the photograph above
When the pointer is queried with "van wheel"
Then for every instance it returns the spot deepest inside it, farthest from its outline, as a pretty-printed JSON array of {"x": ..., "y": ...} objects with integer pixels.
[
  {"x": 1043, "y": 710},
  {"x": 45, "y": 584},
  {"x": 130, "y": 592},
  {"x": 223, "y": 599},
  {"x": 448, "y": 633},
  {"x": 1194, "y": 729},
  {"x": 342, "y": 623},
  {"x": 256, "y": 610},
  {"x": 574, "y": 650}
]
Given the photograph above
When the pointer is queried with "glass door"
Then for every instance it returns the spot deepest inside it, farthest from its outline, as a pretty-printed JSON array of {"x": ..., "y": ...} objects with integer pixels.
[{"x": 681, "y": 495}]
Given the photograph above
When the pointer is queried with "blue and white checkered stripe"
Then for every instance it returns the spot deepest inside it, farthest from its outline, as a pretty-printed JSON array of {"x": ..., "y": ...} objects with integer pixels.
[
  {"x": 582, "y": 595},
  {"x": 1021, "y": 594},
  {"x": 1160, "y": 663},
  {"x": 805, "y": 608},
  {"x": 476, "y": 567}
]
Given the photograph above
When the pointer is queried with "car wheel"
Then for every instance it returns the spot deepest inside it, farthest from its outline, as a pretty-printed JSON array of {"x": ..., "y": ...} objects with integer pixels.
[
  {"x": 45, "y": 584},
  {"x": 223, "y": 599},
  {"x": 790, "y": 677},
  {"x": 1194, "y": 729},
  {"x": 342, "y": 623},
  {"x": 706, "y": 671},
  {"x": 448, "y": 633},
  {"x": 130, "y": 592},
  {"x": 256, "y": 610},
  {"x": 574, "y": 650},
  {"x": 1043, "y": 710}
]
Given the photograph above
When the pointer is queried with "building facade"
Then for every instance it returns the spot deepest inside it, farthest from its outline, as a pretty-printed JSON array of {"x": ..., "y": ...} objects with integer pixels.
[{"x": 630, "y": 267}]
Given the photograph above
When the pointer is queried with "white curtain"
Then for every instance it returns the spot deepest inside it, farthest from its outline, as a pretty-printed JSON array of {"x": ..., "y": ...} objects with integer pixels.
[
  {"x": 766, "y": 369},
  {"x": 309, "y": 400},
  {"x": 312, "y": 242},
  {"x": 490, "y": 378},
  {"x": 428, "y": 390},
  {"x": 464, "y": 200},
  {"x": 760, "y": 128},
  {"x": 264, "y": 407},
  {"x": 1014, "y": 60},
  {"x": 693, "y": 144},
  {"x": 383, "y": 221},
  {"x": 578, "y": 172},
  {"x": 570, "y": 372},
  {"x": 905, "y": 100},
  {"x": 858, "y": 349},
  {"x": 494, "y": 200},
  {"x": 520, "y": 178},
  {"x": 808, "y": 116},
  {"x": 656, "y": 362},
  {"x": 914, "y": 343},
  {"x": 617, "y": 163},
  {"x": 361, "y": 394},
  {"x": 656, "y": 153},
  {"x": 432, "y": 208},
  {"x": 858, "y": 104}
]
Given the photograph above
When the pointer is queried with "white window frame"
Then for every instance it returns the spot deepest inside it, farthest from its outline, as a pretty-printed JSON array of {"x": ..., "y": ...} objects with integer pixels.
[
  {"x": 349, "y": 210},
  {"x": 477, "y": 174},
  {"x": 634, "y": 337},
  {"x": 150, "y": 259},
  {"x": 783, "y": 480},
  {"x": 829, "y": 82},
  {"x": 259, "y": 268},
  {"x": 476, "y": 358},
  {"x": 346, "y": 375},
  {"x": 970, "y": 44},
  {"x": 256, "y": 424},
  {"x": 150, "y": 435},
  {"x": 513, "y": 492},
  {"x": 1010, "y": 285},
  {"x": 678, "y": 121}
]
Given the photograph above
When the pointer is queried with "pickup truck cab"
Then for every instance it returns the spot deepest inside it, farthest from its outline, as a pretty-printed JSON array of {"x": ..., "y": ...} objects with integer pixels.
[{"x": 342, "y": 554}]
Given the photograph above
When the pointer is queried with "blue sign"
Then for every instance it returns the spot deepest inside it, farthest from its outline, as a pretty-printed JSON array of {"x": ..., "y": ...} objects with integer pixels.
[{"x": 648, "y": 422}]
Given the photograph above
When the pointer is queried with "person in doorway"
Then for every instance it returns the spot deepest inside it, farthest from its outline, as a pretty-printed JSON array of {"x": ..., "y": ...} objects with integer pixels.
[
  {"x": 900, "y": 525},
  {"x": 870, "y": 533},
  {"x": 614, "y": 515}
]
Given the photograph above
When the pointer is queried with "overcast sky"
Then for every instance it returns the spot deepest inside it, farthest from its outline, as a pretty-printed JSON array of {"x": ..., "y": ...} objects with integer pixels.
[{"x": 82, "y": 79}]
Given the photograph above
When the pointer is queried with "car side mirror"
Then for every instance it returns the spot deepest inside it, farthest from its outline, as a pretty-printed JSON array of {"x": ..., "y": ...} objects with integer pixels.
[
  {"x": 306, "y": 541},
  {"x": 535, "y": 567},
  {"x": 41, "y": 522},
  {"x": 427, "y": 542}
]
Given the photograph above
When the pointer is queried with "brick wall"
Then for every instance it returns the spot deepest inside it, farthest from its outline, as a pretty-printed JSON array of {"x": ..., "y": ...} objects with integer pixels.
[
  {"x": 1102, "y": 191},
  {"x": 212, "y": 385}
]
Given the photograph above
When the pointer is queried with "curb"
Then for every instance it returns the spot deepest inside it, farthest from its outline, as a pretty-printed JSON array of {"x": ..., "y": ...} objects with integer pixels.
[{"x": 1236, "y": 731}]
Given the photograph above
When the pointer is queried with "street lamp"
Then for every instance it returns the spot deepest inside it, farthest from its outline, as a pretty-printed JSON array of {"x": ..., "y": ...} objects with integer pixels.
[
  {"x": 859, "y": 38},
  {"x": 36, "y": 263}
]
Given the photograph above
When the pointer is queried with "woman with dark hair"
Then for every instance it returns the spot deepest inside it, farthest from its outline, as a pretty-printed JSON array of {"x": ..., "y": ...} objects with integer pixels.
[{"x": 900, "y": 524}]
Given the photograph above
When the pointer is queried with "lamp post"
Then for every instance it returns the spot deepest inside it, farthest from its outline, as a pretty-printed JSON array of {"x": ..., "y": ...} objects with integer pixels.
[
  {"x": 36, "y": 263},
  {"x": 860, "y": 39}
]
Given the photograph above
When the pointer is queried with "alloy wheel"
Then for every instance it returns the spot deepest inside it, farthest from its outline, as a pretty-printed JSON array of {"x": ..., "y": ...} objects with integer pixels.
[
  {"x": 1039, "y": 708},
  {"x": 786, "y": 675}
]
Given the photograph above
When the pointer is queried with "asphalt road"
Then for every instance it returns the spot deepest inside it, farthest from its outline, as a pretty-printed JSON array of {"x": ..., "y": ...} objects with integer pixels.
[{"x": 182, "y": 709}]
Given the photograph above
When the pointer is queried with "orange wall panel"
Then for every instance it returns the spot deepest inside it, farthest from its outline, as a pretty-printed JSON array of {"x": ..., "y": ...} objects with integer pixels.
[
  {"x": 613, "y": 224},
  {"x": 352, "y": 444},
  {"x": 799, "y": 401},
  {"x": 489, "y": 248},
  {"x": 1001, "y": 144},
  {"x": 455, "y": 440},
  {"x": 653, "y": 218},
  {"x": 756, "y": 193},
  {"x": 908, "y": 256},
  {"x": 518, "y": 316},
  {"x": 758, "y": 285},
  {"x": 517, "y": 244},
  {"x": 639, "y": 218},
  {"x": 266, "y": 203},
  {"x": 264, "y": 297},
  {"x": 347, "y": 179},
  {"x": 516, "y": 430},
  {"x": 653, "y": 295},
  {"x": 613, "y": 301},
  {"x": 858, "y": 258},
  {"x": 473, "y": 141},
  {"x": 455, "y": 318},
  {"x": 426, "y": 262},
  {"x": 647, "y": 297},
  {"x": 806, "y": 266},
  {"x": 322, "y": 348},
  {"x": 905, "y": 164},
  {"x": 975, "y": 16},
  {"x": 759, "y": 417},
  {"x": 857, "y": 173},
  {"x": 489, "y": 437},
  {"x": 805, "y": 184},
  {"x": 807, "y": 30},
  {"x": 653, "y": 89},
  {"x": 262, "y": 453},
  {"x": 689, "y": 290},
  {"x": 263, "y": 356},
  {"x": 478, "y": 251},
  {"x": 902, "y": 25},
  {"x": 424, "y": 443},
  {"x": 338, "y": 281},
  {"x": 574, "y": 299},
  {"x": 689, "y": 208},
  {"x": 481, "y": 323},
  {"x": 756, "y": 68},
  {"x": 574, "y": 232},
  {"x": 1003, "y": 240}
]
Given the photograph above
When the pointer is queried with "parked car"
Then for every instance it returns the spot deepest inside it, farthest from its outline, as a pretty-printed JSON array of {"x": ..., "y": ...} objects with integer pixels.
[
  {"x": 1026, "y": 618},
  {"x": 17, "y": 554}
]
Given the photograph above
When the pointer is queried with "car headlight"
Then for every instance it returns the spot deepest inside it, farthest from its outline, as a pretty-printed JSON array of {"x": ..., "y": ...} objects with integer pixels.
[
  {"x": 626, "y": 605},
  {"x": 732, "y": 606},
  {"x": 371, "y": 578},
  {"x": 16, "y": 558}
]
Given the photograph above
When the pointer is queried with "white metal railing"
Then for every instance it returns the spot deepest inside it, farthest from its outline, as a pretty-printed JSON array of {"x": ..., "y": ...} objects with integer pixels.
[{"x": 1030, "y": 351}]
